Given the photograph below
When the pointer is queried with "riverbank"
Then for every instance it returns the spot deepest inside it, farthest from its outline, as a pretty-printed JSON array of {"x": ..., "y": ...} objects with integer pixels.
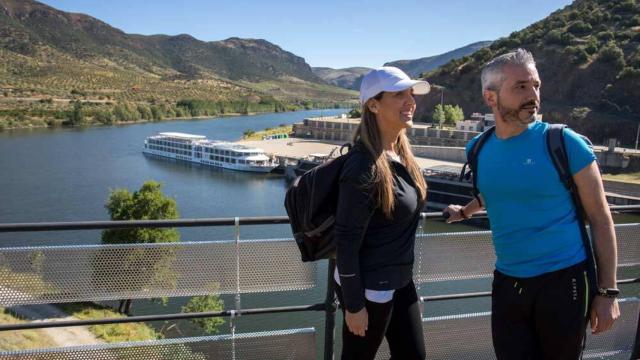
[
  {"x": 250, "y": 135},
  {"x": 52, "y": 123}
]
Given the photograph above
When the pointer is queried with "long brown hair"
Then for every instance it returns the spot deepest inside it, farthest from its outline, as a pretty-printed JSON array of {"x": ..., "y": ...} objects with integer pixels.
[{"x": 381, "y": 175}]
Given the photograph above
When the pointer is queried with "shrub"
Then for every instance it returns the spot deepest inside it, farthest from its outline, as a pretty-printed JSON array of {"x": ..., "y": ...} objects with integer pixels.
[
  {"x": 624, "y": 7},
  {"x": 105, "y": 117},
  {"x": 566, "y": 38},
  {"x": 611, "y": 54},
  {"x": 592, "y": 47},
  {"x": 634, "y": 60},
  {"x": 577, "y": 54},
  {"x": 605, "y": 36},
  {"x": 554, "y": 37},
  {"x": 629, "y": 73},
  {"x": 483, "y": 55},
  {"x": 579, "y": 28},
  {"x": 573, "y": 15}
]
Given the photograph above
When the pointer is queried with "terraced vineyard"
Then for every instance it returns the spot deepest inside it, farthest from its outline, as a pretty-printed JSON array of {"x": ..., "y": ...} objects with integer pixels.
[{"x": 59, "y": 68}]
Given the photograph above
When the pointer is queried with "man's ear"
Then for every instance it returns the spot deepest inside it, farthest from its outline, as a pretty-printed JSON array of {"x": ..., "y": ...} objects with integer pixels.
[{"x": 490, "y": 98}]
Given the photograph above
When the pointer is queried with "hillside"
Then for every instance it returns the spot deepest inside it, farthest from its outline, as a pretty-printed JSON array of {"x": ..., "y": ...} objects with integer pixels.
[
  {"x": 588, "y": 57},
  {"x": 51, "y": 57},
  {"x": 348, "y": 78},
  {"x": 418, "y": 66}
]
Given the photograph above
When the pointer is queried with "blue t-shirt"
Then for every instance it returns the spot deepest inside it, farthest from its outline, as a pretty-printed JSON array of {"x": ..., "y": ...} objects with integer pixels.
[{"x": 533, "y": 220}]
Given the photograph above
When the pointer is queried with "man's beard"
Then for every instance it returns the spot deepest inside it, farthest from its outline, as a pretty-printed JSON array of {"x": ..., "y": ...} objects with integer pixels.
[{"x": 512, "y": 115}]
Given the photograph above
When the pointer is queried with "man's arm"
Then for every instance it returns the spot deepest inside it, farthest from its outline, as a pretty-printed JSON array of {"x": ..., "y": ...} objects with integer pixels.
[
  {"x": 456, "y": 211},
  {"x": 604, "y": 311}
]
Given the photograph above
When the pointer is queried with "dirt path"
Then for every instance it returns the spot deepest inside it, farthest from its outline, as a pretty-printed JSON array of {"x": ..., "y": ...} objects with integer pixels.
[{"x": 65, "y": 336}]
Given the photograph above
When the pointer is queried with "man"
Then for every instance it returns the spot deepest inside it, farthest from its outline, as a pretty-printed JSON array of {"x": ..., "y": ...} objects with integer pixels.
[{"x": 540, "y": 291}]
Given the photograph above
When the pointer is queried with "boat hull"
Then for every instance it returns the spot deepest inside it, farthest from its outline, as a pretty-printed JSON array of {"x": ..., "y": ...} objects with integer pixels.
[{"x": 212, "y": 163}]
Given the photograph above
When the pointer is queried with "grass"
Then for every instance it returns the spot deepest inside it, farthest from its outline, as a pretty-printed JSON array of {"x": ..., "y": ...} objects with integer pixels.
[
  {"x": 28, "y": 282},
  {"x": 267, "y": 132},
  {"x": 111, "y": 332},
  {"x": 21, "y": 340},
  {"x": 629, "y": 177}
]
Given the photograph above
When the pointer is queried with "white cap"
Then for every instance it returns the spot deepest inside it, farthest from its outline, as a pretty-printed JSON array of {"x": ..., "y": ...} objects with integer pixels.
[{"x": 389, "y": 78}]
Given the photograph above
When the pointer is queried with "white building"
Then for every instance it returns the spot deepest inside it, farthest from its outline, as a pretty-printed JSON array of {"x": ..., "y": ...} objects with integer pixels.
[
  {"x": 478, "y": 122},
  {"x": 469, "y": 125}
]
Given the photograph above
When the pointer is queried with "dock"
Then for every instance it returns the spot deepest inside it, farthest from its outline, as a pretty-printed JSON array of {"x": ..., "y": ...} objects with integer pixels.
[{"x": 297, "y": 148}]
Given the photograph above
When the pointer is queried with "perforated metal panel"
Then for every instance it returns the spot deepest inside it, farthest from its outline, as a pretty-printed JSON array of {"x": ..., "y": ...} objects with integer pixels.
[
  {"x": 36, "y": 275},
  {"x": 453, "y": 256},
  {"x": 628, "y": 236},
  {"x": 470, "y": 255},
  {"x": 468, "y": 337},
  {"x": 297, "y": 344},
  {"x": 618, "y": 342}
]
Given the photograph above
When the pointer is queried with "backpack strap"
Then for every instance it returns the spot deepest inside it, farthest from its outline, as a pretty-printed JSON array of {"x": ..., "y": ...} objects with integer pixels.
[
  {"x": 558, "y": 154},
  {"x": 560, "y": 159},
  {"x": 472, "y": 163}
]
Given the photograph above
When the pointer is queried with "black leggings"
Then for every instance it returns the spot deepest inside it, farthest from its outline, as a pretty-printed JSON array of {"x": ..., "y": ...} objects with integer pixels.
[
  {"x": 542, "y": 317},
  {"x": 398, "y": 320}
]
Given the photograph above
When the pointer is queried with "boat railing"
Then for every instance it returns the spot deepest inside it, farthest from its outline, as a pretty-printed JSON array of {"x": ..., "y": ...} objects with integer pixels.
[{"x": 242, "y": 270}]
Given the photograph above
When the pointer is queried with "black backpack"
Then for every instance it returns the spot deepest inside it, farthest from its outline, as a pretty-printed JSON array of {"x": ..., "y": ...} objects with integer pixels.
[
  {"x": 560, "y": 159},
  {"x": 311, "y": 203}
]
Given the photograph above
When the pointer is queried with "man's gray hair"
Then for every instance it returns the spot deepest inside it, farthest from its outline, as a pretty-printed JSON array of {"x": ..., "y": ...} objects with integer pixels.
[{"x": 492, "y": 72}]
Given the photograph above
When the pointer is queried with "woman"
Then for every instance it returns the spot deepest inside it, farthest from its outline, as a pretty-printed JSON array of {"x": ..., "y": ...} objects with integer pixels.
[{"x": 381, "y": 194}]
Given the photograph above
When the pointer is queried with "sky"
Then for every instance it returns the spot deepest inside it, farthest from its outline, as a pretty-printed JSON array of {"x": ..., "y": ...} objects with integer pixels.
[{"x": 329, "y": 33}]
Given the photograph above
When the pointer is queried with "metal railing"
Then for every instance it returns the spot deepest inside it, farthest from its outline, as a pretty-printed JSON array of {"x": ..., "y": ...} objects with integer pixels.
[{"x": 328, "y": 305}]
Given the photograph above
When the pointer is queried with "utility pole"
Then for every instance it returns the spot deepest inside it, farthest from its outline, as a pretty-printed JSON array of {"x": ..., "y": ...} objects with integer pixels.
[{"x": 637, "y": 135}]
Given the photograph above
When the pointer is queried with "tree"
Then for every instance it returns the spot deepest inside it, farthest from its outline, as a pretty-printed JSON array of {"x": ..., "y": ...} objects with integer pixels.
[
  {"x": 248, "y": 133},
  {"x": 354, "y": 113},
  {"x": 439, "y": 116},
  {"x": 76, "y": 117},
  {"x": 148, "y": 203},
  {"x": 203, "y": 304},
  {"x": 453, "y": 113}
]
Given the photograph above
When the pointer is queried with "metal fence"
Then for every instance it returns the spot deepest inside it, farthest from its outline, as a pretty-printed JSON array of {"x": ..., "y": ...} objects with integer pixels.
[{"x": 59, "y": 274}]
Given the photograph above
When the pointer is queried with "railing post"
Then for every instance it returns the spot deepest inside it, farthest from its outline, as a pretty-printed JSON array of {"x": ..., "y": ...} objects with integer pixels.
[
  {"x": 330, "y": 312},
  {"x": 636, "y": 346}
]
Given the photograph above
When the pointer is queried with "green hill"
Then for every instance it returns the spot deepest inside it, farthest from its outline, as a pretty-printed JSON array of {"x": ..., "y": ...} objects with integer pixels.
[
  {"x": 348, "y": 78},
  {"x": 588, "y": 57},
  {"x": 418, "y": 66},
  {"x": 51, "y": 58}
]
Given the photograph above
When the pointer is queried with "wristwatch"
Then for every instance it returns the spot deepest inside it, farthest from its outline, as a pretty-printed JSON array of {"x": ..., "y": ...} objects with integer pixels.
[{"x": 608, "y": 292}]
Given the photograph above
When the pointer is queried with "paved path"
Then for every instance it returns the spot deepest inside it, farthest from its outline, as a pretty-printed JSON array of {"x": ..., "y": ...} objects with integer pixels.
[
  {"x": 65, "y": 336},
  {"x": 298, "y": 148}
]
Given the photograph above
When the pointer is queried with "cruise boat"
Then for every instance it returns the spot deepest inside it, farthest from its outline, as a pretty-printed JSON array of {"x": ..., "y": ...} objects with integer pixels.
[{"x": 198, "y": 149}]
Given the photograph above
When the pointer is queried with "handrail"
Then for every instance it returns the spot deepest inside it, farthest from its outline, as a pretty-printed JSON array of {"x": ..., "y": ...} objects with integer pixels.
[
  {"x": 227, "y": 313},
  {"x": 257, "y": 220}
]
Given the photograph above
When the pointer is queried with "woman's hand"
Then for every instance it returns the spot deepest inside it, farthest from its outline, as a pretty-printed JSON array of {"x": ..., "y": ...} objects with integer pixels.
[{"x": 357, "y": 322}]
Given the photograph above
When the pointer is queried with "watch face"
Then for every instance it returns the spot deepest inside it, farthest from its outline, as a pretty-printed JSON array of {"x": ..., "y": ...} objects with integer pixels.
[{"x": 609, "y": 292}]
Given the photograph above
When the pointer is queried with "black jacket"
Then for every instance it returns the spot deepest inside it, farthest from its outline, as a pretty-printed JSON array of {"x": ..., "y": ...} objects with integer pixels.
[{"x": 382, "y": 259}]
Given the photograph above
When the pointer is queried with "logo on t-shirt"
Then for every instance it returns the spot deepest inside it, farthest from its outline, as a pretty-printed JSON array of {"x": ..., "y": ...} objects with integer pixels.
[{"x": 528, "y": 162}]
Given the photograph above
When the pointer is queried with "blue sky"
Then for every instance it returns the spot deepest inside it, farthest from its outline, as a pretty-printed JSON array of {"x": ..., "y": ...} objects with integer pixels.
[{"x": 332, "y": 33}]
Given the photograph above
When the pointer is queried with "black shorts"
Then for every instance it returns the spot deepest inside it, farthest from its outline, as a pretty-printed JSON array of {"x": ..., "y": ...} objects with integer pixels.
[{"x": 543, "y": 317}]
